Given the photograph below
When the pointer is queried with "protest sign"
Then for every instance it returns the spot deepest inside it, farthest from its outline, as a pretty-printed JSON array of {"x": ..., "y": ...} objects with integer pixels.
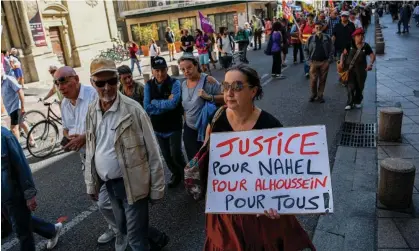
[{"x": 283, "y": 168}]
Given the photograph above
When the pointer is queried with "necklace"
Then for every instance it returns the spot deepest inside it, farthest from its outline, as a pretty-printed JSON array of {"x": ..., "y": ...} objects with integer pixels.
[{"x": 190, "y": 95}]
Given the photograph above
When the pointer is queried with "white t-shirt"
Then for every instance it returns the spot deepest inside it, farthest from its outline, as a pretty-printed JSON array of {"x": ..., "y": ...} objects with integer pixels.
[
  {"x": 106, "y": 161},
  {"x": 226, "y": 45},
  {"x": 154, "y": 50},
  {"x": 14, "y": 61}
]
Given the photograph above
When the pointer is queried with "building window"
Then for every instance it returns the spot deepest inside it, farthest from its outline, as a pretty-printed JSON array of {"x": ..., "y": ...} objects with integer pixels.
[
  {"x": 223, "y": 20},
  {"x": 188, "y": 23},
  {"x": 159, "y": 32}
]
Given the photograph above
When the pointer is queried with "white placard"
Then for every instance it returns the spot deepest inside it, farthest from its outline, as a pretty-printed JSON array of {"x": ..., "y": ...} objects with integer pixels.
[{"x": 283, "y": 168}]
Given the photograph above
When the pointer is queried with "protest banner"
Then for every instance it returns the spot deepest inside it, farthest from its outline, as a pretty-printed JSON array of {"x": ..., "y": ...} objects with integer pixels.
[{"x": 283, "y": 168}]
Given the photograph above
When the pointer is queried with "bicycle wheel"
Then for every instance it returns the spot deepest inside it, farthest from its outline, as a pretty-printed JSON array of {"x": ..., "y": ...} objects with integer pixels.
[
  {"x": 45, "y": 134},
  {"x": 31, "y": 118}
]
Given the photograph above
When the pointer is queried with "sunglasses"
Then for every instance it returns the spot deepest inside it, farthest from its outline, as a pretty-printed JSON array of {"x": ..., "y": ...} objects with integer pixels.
[
  {"x": 102, "y": 83},
  {"x": 236, "y": 86},
  {"x": 62, "y": 80}
]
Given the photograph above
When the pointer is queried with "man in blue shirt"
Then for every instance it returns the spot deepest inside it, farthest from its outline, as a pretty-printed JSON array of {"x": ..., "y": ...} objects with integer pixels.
[
  {"x": 18, "y": 196},
  {"x": 162, "y": 103},
  {"x": 13, "y": 100}
]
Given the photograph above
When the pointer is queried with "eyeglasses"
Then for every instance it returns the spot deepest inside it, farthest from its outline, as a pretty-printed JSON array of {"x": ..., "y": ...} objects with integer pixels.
[
  {"x": 62, "y": 80},
  {"x": 102, "y": 83},
  {"x": 236, "y": 86}
]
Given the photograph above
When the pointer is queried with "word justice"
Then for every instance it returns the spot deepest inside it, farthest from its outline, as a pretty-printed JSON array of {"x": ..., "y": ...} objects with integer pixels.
[
  {"x": 268, "y": 185},
  {"x": 270, "y": 167},
  {"x": 275, "y": 143},
  {"x": 283, "y": 201}
]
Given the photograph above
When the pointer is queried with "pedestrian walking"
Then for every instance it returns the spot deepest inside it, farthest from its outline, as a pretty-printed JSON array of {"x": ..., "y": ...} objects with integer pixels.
[
  {"x": 162, "y": 102},
  {"x": 306, "y": 30},
  {"x": 134, "y": 56},
  {"x": 170, "y": 40},
  {"x": 8, "y": 69},
  {"x": 405, "y": 14},
  {"x": 354, "y": 20},
  {"x": 18, "y": 196},
  {"x": 416, "y": 14},
  {"x": 274, "y": 49},
  {"x": 202, "y": 44},
  {"x": 122, "y": 153},
  {"x": 242, "y": 38},
  {"x": 77, "y": 98},
  {"x": 154, "y": 50},
  {"x": 187, "y": 43},
  {"x": 17, "y": 67},
  {"x": 197, "y": 89},
  {"x": 257, "y": 32},
  {"x": 356, "y": 64},
  {"x": 296, "y": 42},
  {"x": 226, "y": 45},
  {"x": 268, "y": 28},
  {"x": 14, "y": 102},
  {"x": 319, "y": 53},
  {"x": 269, "y": 231},
  {"x": 285, "y": 40},
  {"x": 211, "y": 49},
  {"x": 129, "y": 87}
]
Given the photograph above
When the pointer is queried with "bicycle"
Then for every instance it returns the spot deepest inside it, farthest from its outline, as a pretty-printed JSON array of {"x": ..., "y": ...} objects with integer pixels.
[
  {"x": 31, "y": 119},
  {"x": 40, "y": 131}
]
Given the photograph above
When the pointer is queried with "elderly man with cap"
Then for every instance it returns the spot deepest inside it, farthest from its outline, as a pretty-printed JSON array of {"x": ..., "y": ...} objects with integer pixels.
[
  {"x": 77, "y": 98},
  {"x": 162, "y": 102},
  {"x": 122, "y": 151},
  {"x": 319, "y": 53}
]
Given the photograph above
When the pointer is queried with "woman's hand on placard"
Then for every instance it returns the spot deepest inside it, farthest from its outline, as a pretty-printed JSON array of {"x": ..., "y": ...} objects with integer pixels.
[{"x": 271, "y": 214}]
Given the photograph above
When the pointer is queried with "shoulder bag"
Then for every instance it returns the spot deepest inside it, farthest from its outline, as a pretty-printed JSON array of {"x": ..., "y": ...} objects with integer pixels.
[
  {"x": 196, "y": 171},
  {"x": 344, "y": 75}
]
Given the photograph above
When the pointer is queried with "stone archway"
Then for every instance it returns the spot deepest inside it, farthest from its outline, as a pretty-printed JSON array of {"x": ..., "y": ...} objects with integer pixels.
[{"x": 55, "y": 17}]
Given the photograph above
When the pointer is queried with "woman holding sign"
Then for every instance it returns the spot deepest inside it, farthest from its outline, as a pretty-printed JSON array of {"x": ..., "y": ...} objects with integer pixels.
[{"x": 240, "y": 231}]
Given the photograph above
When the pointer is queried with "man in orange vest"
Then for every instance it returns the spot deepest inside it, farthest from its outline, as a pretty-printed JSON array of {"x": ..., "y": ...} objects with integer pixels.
[{"x": 306, "y": 30}]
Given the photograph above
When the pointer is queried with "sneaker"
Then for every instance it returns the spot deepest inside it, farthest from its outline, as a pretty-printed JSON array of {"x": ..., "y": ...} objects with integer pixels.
[
  {"x": 321, "y": 100},
  {"x": 348, "y": 107},
  {"x": 53, "y": 242},
  {"x": 121, "y": 242},
  {"x": 274, "y": 75},
  {"x": 312, "y": 98},
  {"x": 358, "y": 106},
  {"x": 307, "y": 75},
  {"x": 280, "y": 76},
  {"x": 174, "y": 58},
  {"x": 106, "y": 236},
  {"x": 284, "y": 65}
]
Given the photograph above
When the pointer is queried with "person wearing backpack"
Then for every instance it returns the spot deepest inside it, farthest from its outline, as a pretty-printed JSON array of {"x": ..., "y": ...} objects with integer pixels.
[
  {"x": 225, "y": 45},
  {"x": 275, "y": 49},
  {"x": 242, "y": 38}
]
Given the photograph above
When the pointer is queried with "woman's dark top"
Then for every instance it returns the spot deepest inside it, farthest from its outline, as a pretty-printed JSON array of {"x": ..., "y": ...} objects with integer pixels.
[{"x": 233, "y": 232}]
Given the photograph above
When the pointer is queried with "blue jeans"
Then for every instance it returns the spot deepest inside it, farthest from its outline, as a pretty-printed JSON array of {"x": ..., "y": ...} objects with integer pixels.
[
  {"x": 135, "y": 61},
  {"x": 131, "y": 220},
  {"x": 24, "y": 224},
  {"x": 306, "y": 67}
]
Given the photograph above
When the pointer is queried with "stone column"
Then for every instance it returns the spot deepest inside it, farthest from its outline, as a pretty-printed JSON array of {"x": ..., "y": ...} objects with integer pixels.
[
  {"x": 75, "y": 58},
  {"x": 110, "y": 16},
  {"x": 11, "y": 24},
  {"x": 30, "y": 71}
]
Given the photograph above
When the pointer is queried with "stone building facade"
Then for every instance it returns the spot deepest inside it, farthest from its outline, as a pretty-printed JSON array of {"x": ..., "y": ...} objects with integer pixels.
[
  {"x": 163, "y": 13},
  {"x": 53, "y": 32}
]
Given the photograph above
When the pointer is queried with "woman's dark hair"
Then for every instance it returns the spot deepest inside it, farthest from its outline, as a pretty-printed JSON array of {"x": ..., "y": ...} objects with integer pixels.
[
  {"x": 222, "y": 29},
  {"x": 252, "y": 78},
  {"x": 192, "y": 59},
  {"x": 124, "y": 69},
  {"x": 277, "y": 26},
  {"x": 3, "y": 52},
  {"x": 199, "y": 31}
]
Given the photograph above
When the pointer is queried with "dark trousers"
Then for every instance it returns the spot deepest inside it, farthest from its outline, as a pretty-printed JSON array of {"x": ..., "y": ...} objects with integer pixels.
[
  {"x": 171, "y": 148},
  {"x": 276, "y": 62},
  {"x": 257, "y": 38},
  {"x": 243, "y": 49},
  {"x": 131, "y": 220},
  {"x": 226, "y": 61},
  {"x": 318, "y": 72},
  {"x": 355, "y": 86},
  {"x": 405, "y": 25},
  {"x": 190, "y": 140},
  {"x": 25, "y": 224},
  {"x": 296, "y": 48}
]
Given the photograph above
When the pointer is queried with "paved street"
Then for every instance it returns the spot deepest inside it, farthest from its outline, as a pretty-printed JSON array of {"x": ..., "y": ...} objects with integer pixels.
[{"x": 62, "y": 190}]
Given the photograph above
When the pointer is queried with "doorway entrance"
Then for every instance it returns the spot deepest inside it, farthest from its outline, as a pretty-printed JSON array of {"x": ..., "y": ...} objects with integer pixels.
[{"x": 57, "y": 44}]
